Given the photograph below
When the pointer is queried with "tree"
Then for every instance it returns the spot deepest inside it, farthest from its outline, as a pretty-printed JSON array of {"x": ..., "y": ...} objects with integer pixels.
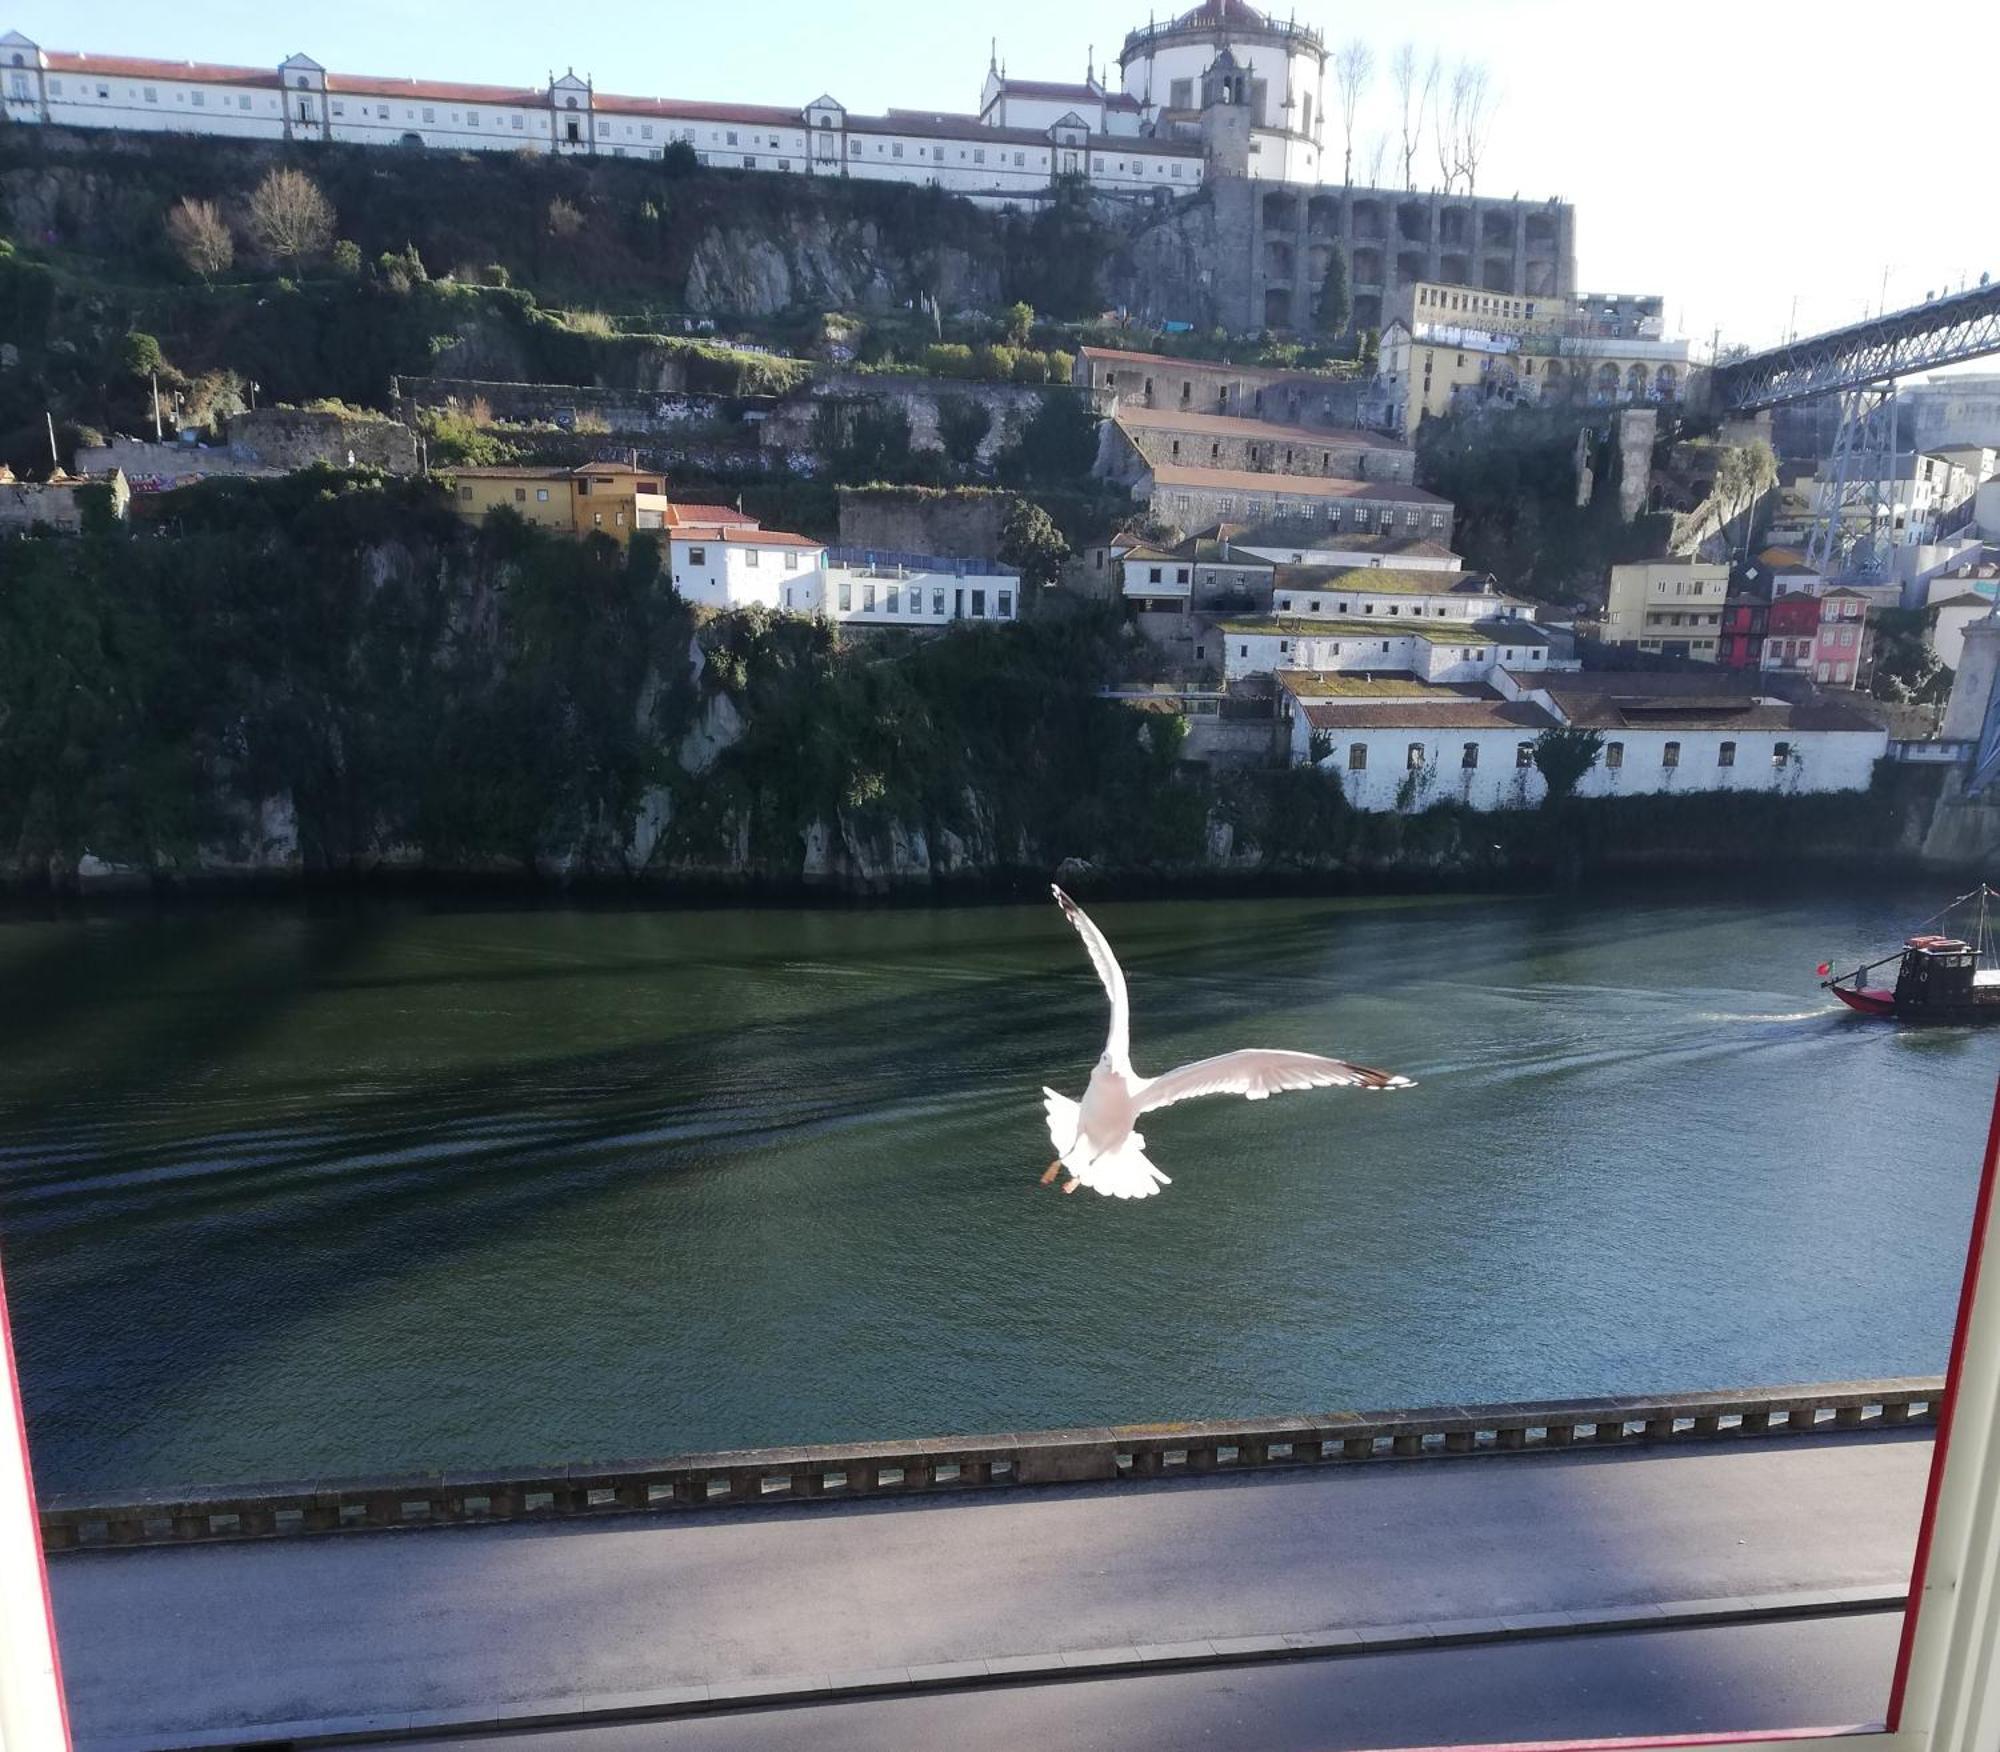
[
  {"x": 1019, "y": 318},
  {"x": 1059, "y": 445},
  {"x": 1031, "y": 543},
  {"x": 1334, "y": 305},
  {"x": 1378, "y": 152},
  {"x": 1744, "y": 473},
  {"x": 200, "y": 238},
  {"x": 1416, "y": 93},
  {"x": 1353, "y": 67},
  {"x": 1562, "y": 756},
  {"x": 289, "y": 217},
  {"x": 1475, "y": 119},
  {"x": 679, "y": 160},
  {"x": 140, "y": 354},
  {"x": 1908, "y": 670},
  {"x": 963, "y": 423}
]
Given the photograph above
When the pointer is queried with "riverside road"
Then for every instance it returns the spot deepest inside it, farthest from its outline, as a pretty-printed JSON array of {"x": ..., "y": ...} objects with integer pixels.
[{"x": 162, "y": 1647}]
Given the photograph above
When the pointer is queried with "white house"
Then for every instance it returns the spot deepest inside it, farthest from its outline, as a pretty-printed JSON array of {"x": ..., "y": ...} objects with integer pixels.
[
  {"x": 1676, "y": 732},
  {"x": 740, "y": 566},
  {"x": 1437, "y": 626},
  {"x": 735, "y": 564},
  {"x": 1949, "y": 618},
  {"x": 857, "y": 591},
  {"x": 1399, "y": 743},
  {"x": 1465, "y": 651}
]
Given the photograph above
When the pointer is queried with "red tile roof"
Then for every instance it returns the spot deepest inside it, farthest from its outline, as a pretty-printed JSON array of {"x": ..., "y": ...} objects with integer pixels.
[
  {"x": 434, "y": 90},
  {"x": 1117, "y": 100},
  {"x": 135, "y": 67},
  {"x": 746, "y": 537},
  {"x": 1120, "y": 356},
  {"x": 1458, "y": 714},
  {"x": 692, "y": 110},
  {"x": 1232, "y": 480},
  {"x": 680, "y": 514},
  {"x": 1145, "y": 419}
]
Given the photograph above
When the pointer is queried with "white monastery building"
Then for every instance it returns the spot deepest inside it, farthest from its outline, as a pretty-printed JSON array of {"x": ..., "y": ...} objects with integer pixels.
[
  {"x": 1026, "y": 138},
  {"x": 1221, "y": 64}
]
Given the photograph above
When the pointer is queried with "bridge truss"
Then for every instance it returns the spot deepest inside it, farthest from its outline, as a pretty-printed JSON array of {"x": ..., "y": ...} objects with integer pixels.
[{"x": 1943, "y": 331}]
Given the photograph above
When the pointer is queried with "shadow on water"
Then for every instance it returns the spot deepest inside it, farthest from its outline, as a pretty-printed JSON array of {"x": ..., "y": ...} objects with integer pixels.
[{"x": 172, "y": 1219}]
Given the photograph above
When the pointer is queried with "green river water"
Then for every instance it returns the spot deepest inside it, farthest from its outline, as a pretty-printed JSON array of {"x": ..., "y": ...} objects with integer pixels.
[{"x": 303, "y": 1191}]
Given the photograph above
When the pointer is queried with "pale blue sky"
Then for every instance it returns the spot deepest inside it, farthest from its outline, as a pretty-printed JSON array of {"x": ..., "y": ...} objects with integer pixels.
[{"x": 1730, "y": 154}]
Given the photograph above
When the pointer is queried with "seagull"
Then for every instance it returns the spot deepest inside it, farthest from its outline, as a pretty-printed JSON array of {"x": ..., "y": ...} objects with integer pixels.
[{"x": 1094, "y": 1138}]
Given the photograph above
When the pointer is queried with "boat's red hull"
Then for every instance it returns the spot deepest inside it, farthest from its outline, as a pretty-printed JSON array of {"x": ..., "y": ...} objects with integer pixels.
[{"x": 1871, "y": 1001}]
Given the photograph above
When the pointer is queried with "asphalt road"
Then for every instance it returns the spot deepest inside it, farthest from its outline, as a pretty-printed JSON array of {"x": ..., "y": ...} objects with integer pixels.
[{"x": 232, "y": 1636}]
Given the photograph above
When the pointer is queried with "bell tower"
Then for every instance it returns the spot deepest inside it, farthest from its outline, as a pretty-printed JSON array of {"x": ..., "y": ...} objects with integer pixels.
[{"x": 1225, "y": 115}]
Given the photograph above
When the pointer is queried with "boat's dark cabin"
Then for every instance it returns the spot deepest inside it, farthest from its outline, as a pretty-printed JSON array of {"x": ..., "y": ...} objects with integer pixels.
[{"x": 1935, "y": 970}]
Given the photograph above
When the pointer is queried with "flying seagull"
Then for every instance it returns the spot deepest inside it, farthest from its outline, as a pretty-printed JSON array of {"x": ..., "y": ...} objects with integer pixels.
[{"x": 1094, "y": 1138}]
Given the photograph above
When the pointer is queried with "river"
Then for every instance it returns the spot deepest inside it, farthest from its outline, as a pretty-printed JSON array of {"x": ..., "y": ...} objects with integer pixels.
[{"x": 302, "y": 1191}]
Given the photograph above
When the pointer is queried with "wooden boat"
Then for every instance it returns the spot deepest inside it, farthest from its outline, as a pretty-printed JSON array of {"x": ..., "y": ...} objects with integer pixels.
[{"x": 1939, "y": 978}]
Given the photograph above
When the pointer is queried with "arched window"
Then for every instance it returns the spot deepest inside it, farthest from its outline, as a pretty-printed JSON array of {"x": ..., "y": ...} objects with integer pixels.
[
  {"x": 1614, "y": 755},
  {"x": 1470, "y": 759},
  {"x": 1670, "y": 756},
  {"x": 1415, "y": 759},
  {"x": 1524, "y": 754},
  {"x": 1357, "y": 757},
  {"x": 1725, "y": 756}
]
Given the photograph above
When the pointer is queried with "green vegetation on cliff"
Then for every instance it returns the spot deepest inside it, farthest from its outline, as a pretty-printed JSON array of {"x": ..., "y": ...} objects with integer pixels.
[
  {"x": 332, "y": 673},
  {"x": 342, "y": 648},
  {"x": 1512, "y": 476},
  {"x": 496, "y": 265}
]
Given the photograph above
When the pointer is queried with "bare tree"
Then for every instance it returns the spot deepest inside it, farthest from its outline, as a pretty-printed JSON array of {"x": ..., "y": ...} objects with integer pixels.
[
  {"x": 1403, "y": 71},
  {"x": 1378, "y": 152},
  {"x": 1447, "y": 123},
  {"x": 1475, "y": 121},
  {"x": 200, "y": 237},
  {"x": 1353, "y": 68},
  {"x": 289, "y": 217}
]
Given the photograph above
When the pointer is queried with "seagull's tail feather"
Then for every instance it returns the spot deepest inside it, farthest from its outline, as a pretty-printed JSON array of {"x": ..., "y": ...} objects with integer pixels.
[{"x": 1123, "y": 1172}]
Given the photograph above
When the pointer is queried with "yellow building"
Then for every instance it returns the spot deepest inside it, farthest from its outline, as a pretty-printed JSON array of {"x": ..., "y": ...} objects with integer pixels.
[
  {"x": 1674, "y": 606},
  {"x": 1453, "y": 345},
  {"x": 608, "y": 498}
]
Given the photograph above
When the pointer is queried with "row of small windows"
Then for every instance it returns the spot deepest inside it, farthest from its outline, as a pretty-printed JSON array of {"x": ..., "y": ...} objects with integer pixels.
[
  {"x": 1360, "y": 515},
  {"x": 698, "y": 556},
  {"x": 1464, "y": 653},
  {"x": 891, "y": 599},
  {"x": 1524, "y": 756},
  {"x": 1313, "y": 607},
  {"x": 470, "y": 119}
]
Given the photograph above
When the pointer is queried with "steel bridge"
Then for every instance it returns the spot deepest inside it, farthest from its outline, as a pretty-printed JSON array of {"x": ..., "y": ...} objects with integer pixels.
[{"x": 1941, "y": 331}]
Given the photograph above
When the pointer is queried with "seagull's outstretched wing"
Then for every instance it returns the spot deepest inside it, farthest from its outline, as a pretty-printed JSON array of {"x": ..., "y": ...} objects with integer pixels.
[
  {"x": 1119, "y": 1042},
  {"x": 1259, "y": 1073}
]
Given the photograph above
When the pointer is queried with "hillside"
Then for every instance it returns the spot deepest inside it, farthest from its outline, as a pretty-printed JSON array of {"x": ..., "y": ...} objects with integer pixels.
[
  {"x": 330, "y": 676},
  {"x": 497, "y": 266}
]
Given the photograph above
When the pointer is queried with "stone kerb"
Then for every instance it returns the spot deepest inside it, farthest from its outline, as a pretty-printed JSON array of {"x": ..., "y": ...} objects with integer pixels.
[{"x": 832, "y": 1472}]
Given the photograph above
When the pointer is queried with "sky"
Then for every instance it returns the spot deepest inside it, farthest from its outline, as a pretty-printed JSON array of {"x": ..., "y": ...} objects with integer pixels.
[{"x": 1757, "y": 162}]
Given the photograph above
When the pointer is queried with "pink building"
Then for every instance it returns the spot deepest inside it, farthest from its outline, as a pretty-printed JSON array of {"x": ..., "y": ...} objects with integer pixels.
[{"x": 1843, "y": 638}]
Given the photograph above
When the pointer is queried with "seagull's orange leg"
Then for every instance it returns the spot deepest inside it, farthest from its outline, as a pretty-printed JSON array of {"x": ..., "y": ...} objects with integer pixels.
[
  {"x": 1071, "y": 1185},
  {"x": 1055, "y": 1168}
]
